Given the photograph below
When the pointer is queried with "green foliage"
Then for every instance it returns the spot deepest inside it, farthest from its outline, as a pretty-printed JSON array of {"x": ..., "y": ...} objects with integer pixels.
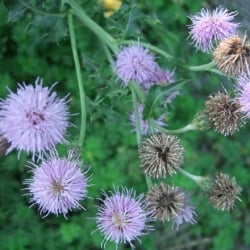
[{"x": 34, "y": 42}]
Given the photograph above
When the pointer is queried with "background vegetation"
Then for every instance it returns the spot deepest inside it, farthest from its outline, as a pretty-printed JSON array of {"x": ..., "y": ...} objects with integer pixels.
[{"x": 36, "y": 45}]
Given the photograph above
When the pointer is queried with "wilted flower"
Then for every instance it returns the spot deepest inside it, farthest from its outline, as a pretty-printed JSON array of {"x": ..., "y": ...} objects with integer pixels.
[
  {"x": 123, "y": 217},
  {"x": 144, "y": 124},
  {"x": 57, "y": 184},
  {"x": 4, "y": 145},
  {"x": 165, "y": 201},
  {"x": 187, "y": 214},
  {"x": 232, "y": 56},
  {"x": 224, "y": 192},
  {"x": 223, "y": 114},
  {"x": 135, "y": 63},
  {"x": 161, "y": 155},
  {"x": 33, "y": 119},
  {"x": 208, "y": 27},
  {"x": 243, "y": 94}
]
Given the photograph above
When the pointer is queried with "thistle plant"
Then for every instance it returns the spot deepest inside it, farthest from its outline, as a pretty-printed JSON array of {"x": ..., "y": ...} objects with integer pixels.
[{"x": 130, "y": 81}]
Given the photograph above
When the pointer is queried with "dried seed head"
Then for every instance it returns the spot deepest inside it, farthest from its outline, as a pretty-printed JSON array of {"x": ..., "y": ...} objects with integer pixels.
[
  {"x": 224, "y": 192},
  {"x": 161, "y": 155},
  {"x": 223, "y": 114},
  {"x": 4, "y": 145},
  {"x": 232, "y": 56},
  {"x": 165, "y": 201}
]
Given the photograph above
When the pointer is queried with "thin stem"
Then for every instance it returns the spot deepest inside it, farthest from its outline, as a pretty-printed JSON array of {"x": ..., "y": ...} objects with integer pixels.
[
  {"x": 137, "y": 125},
  {"x": 176, "y": 131},
  {"x": 195, "y": 178},
  {"x": 93, "y": 26},
  {"x": 79, "y": 79}
]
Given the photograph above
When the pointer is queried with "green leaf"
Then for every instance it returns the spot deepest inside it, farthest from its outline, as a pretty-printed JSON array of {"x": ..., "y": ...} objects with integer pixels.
[
  {"x": 158, "y": 94},
  {"x": 3, "y": 14}
]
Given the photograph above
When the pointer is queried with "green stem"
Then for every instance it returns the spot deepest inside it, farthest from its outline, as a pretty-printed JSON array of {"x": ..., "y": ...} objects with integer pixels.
[
  {"x": 79, "y": 80},
  {"x": 176, "y": 131},
  {"x": 93, "y": 26},
  {"x": 195, "y": 178},
  {"x": 137, "y": 125}
]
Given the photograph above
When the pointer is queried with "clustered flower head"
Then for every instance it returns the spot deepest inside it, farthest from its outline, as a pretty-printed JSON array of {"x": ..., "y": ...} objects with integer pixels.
[
  {"x": 170, "y": 203},
  {"x": 161, "y": 155},
  {"x": 135, "y": 63},
  {"x": 224, "y": 192},
  {"x": 209, "y": 27},
  {"x": 144, "y": 124},
  {"x": 232, "y": 56},
  {"x": 123, "y": 217},
  {"x": 58, "y": 184},
  {"x": 34, "y": 119},
  {"x": 243, "y": 94},
  {"x": 223, "y": 113}
]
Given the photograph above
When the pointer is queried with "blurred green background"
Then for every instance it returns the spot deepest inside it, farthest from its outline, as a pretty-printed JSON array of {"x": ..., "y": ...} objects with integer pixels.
[{"x": 33, "y": 44}]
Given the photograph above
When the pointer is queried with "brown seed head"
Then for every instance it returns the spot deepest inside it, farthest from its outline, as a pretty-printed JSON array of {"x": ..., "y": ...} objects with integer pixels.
[
  {"x": 232, "y": 56},
  {"x": 161, "y": 155},
  {"x": 224, "y": 192},
  {"x": 165, "y": 201},
  {"x": 223, "y": 114}
]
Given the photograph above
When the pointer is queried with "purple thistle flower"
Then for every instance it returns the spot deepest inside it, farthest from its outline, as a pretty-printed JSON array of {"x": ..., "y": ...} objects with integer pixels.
[
  {"x": 57, "y": 184},
  {"x": 187, "y": 214},
  {"x": 122, "y": 217},
  {"x": 135, "y": 63},
  {"x": 243, "y": 94},
  {"x": 208, "y": 27},
  {"x": 144, "y": 124},
  {"x": 34, "y": 119}
]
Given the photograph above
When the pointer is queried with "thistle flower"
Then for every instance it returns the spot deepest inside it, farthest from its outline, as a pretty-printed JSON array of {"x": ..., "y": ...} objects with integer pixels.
[
  {"x": 161, "y": 155},
  {"x": 165, "y": 201},
  {"x": 122, "y": 217},
  {"x": 4, "y": 145},
  {"x": 187, "y": 214},
  {"x": 33, "y": 119},
  {"x": 208, "y": 27},
  {"x": 243, "y": 94},
  {"x": 57, "y": 184},
  {"x": 144, "y": 124},
  {"x": 135, "y": 63},
  {"x": 224, "y": 192},
  {"x": 232, "y": 56},
  {"x": 223, "y": 114}
]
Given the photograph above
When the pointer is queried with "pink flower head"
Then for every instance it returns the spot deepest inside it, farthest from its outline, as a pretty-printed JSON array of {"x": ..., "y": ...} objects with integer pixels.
[
  {"x": 144, "y": 125},
  {"x": 57, "y": 184},
  {"x": 135, "y": 63},
  {"x": 122, "y": 217},
  {"x": 34, "y": 119},
  {"x": 243, "y": 94},
  {"x": 208, "y": 27},
  {"x": 187, "y": 214}
]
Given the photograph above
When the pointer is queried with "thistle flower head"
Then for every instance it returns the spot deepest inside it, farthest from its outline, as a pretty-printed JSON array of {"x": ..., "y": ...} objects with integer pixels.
[
  {"x": 57, "y": 184},
  {"x": 243, "y": 94},
  {"x": 165, "y": 201},
  {"x": 224, "y": 192},
  {"x": 209, "y": 27},
  {"x": 161, "y": 155},
  {"x": 223, "y": 114},
  {"x": 144, "y": 124},
  {"x": 232, "y": 56},
  {"x": 135, "y": 63},
  {"x": 34, "y": 119},
  {"x": 122, "y": 217}
]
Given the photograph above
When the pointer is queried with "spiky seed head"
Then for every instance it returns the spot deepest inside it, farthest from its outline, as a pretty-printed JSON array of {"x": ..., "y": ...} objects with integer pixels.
[
  {"x": 161, "y": 155},
  {"x": 224, "y": 192},
  {"x": 223, "y": 113},
  {"x": 165, "y": 201},
  {"x": 232, "y": 56}
]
